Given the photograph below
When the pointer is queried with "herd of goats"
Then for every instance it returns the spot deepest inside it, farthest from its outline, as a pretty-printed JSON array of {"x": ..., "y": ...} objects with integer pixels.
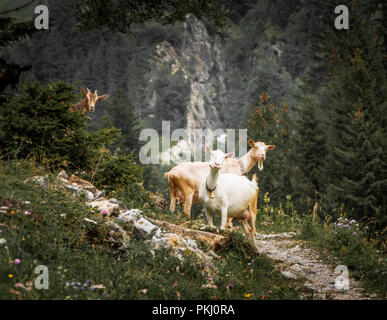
[{"x": 220, "y": 185}]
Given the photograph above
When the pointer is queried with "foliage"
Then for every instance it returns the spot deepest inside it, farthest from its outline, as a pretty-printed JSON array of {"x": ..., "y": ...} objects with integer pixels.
[
  {"x": 309, "y": 153},
  {"x": 116, "y": 172},
  {"x": 357, "y": 93},
  {"x": 270, "y": 123},
  {"x": 121, "y": 116},
  {"x": 121, "y": 15},
  {"x": 38, "y": 124},
  {"x": 12, "y": 31}
]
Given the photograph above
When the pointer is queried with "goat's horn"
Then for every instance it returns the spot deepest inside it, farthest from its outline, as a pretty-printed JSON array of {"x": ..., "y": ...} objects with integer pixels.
[{"x": 95, "y": 91}]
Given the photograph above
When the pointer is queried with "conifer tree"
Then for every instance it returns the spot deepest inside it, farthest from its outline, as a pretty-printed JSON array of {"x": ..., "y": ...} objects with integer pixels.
[
  {"x": 357, "y": 99},
  {"x": 309, "y": 153}
]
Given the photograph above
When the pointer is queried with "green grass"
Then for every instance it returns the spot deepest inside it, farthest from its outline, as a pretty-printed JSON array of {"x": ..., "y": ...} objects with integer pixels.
[{"x": 56, "y": 235}]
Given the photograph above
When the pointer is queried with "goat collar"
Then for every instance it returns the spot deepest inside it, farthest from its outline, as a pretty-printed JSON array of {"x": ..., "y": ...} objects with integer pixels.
[
  {"x": 208, "y": 189},
  {"x": 242, "y": 167}
]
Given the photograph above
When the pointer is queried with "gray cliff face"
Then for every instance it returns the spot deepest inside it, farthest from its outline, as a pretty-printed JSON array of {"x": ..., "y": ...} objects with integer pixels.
[{"x": 198, "y": 57}]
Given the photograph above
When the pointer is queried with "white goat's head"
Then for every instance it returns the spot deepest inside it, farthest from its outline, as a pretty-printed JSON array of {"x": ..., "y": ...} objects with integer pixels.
[{"x": 217, "y": 158}]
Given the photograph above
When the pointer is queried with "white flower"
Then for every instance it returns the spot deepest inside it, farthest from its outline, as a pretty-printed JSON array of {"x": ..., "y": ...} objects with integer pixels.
[{"x": 2, "y": 241}]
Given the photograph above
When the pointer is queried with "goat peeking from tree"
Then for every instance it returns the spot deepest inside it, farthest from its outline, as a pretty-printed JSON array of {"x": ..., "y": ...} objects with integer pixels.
[
  {"x": 10, "y": 73},
  {"x": 87, "y": 104}
]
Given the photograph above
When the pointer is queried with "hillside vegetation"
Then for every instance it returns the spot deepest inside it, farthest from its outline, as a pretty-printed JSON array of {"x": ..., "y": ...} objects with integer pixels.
[{"x": 279, "y": 69}]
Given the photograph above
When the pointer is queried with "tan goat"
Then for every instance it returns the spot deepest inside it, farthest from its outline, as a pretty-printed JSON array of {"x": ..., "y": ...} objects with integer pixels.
[
  {"x": 184, "y": 179},
  {"x": 87, "y": 104}
]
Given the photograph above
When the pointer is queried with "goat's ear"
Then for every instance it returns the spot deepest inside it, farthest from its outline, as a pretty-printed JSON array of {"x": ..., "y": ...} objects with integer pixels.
[
  {"x": 270, "y": 147},
  {"x": 251, "y": 143},
  {"x": 83, "y": 90},
  {"x": 229, "y": 155},
  {"x": 25, "y": 68},
  {"x": 103, "y": 97},
  {"x": 208, "y": 149}
]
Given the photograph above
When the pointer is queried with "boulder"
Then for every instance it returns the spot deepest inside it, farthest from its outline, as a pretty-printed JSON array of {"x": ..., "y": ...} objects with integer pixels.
[
  {"x": 76, "y": 191},
  {"x": 38, "y": 180},
  {"x": 131, "y": 216},
  {"x": 143, "y": 229}
]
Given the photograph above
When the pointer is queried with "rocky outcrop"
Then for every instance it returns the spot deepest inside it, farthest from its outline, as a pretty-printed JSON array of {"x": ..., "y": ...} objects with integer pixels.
[{"x": 199, "y": 58}]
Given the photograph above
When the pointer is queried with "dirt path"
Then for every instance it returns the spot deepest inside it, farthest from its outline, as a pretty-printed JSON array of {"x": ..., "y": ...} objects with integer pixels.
[{"x": 297, "y": 262}]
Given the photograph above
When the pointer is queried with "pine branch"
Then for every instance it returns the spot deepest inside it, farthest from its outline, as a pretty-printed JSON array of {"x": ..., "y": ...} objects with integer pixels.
[{"x": 18, "y": 8}]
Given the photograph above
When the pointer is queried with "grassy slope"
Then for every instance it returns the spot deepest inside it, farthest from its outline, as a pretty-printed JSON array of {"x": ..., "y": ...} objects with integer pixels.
[{"x": 62, "y": 244}]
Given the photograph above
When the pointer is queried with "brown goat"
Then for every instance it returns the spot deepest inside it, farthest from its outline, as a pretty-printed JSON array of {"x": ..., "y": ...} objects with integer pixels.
[
  {"x": 10, "y": 74},
  {"x": 87, "y": 104}
]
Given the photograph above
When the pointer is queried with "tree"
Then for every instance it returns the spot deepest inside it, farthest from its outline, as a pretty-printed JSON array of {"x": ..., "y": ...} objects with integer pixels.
[
  {"x": 309, "y": 153},
  {"x": 357, "y": 96},
  {"x": 122, "y": 116},
  {"x": 122, "y": 14},
  {"x": 270, "y": 123}
]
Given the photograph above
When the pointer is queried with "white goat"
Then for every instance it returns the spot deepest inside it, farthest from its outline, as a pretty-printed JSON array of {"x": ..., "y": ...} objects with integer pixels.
[{"x": 229, "y": 195}]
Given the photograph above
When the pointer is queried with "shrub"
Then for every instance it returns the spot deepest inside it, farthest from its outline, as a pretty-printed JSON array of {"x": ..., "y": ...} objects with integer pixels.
[{"x": 37, "y": 124}]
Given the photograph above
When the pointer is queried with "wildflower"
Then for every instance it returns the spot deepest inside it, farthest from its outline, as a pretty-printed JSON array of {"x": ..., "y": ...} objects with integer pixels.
[
  {"x": 105, "y": 212},
  {"x": 269, "y": 291},
  {"x": 10, "y": 275},
  {"x": 17, "y": 261},
  {"x": 2, "y": 241},
  {"x": 229, "y": 286},
  {"x": 174, "y": 284},
  {"x": 23, "y": 239},
  {"x": 248, "y": 295},
  {"x": 20, "y": 285},
  {"x": 27, "y": 213},
  {"x": 26, "y": 202},
  {"x": 13, "y": 212}
]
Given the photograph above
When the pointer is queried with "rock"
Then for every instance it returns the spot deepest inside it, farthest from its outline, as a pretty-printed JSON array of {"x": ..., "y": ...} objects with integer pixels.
[
  {"x": 143, "y": 229},
  {"x": 93, "y": 190},
  {"x": 76, "y": 191},
  {"x": 288, "y": 275},
  {"x": 131, "y": 216},
  {"x": 38, "y": 180},
  {"x": 63, "y": 175},
  {"x": 100, "y": 194},
  {"x": 117, "y": 235},
  {"x": 89, "y": 195},
  {"x": 104, "y": 204},
  {"x": 174, "y": 240},
  {"x": 190, "y": 243},
  {"x": 117, "y": 202},
  {"x": 158, "y": 234},
  {"x": 89, "y": 220},
  {"x": 160, "y": 242}
]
